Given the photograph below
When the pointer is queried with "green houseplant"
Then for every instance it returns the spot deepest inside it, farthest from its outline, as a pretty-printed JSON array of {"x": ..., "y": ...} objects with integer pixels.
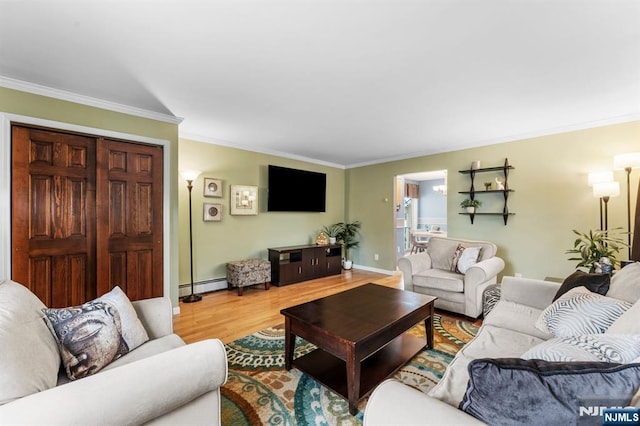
[
  {"x": 470, "y": 204},
  {"x": 332, "y": 231},
  {"x": 348, "y": 236},
  {"x": 591, "y": 246}
]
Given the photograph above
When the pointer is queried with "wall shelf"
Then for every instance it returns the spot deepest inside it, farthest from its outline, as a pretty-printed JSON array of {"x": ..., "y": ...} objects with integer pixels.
[{"x": 472, "y": 192}]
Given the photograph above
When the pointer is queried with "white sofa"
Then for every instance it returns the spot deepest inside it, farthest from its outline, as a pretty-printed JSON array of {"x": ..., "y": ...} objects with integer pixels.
[
  {"x": 163, "y": 381},
  {"x": 429, "y": 272},
  {"x": 508, "y": 331}
]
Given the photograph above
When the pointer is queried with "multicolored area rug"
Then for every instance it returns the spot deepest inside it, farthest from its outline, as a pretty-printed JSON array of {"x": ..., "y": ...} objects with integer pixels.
[{"x": 259, "y": 391}]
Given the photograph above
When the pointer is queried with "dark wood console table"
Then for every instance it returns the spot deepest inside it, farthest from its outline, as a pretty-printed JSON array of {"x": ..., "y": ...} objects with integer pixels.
[{"x": 300, "y": 263}]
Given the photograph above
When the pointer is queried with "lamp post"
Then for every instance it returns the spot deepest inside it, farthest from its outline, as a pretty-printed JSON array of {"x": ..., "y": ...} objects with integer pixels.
[
  {"x": 604, "y": 190},
  {"x": 596, "y": 178},
  {"x": 627, "y": 162},
  {"x": 190, "y": 176}
]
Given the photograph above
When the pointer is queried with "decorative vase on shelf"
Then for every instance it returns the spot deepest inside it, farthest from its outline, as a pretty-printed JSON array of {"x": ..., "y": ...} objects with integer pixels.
[{"x": 471, "y": 210}]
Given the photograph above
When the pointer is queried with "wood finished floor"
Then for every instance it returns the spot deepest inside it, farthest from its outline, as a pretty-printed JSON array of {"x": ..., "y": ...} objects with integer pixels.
[{"x": 226, "y": 316}]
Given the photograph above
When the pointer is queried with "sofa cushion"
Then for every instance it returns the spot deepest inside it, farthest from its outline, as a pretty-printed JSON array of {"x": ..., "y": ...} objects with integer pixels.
[
  {"x": 597, "y": 283},
  {"x": 440, "y": 279},
  {"x": 516, "y": 317},
  {"x": 619, "y": 348},
  {"x": 94, "y": 334},
  {"x": 491, "y": 341},
  {"x": 625, "y": 283},
  {"x": 29, "y": 356},
  {"x": 580, "y": 311},
  {"x": 514, "y": 391}
]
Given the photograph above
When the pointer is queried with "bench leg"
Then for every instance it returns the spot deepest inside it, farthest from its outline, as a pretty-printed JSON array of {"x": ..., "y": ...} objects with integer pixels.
[
  {"x": 267, "y": 285},
  {"x": 239, "y": 291}
]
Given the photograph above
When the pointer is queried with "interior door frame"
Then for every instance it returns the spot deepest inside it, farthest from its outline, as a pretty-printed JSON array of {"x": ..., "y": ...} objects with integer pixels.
[{"x": 7, "y": 119}]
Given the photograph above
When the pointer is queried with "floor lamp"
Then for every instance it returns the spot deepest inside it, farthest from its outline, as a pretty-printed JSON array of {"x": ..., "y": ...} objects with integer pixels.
[
  {"x": 605, "y": 190},
  {"x": 628, "y": 162},
  {"x": 190, "y": 176},
  {"x": 596, "y": 178}
]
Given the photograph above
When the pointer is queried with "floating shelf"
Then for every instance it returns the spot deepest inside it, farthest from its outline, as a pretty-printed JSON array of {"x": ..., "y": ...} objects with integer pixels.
[{"x": 505, "y": 192}]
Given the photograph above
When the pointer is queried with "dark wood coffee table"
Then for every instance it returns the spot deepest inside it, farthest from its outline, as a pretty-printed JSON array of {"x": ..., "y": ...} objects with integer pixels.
[{"x": 360, "y": 335}]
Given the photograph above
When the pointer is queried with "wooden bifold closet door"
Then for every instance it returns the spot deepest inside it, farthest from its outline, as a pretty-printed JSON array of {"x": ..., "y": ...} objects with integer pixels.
[{"x": 86, "y": 216}]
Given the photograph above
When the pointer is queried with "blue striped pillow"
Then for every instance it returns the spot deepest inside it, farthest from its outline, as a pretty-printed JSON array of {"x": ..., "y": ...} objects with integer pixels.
[{"x": 579, "y": 312}]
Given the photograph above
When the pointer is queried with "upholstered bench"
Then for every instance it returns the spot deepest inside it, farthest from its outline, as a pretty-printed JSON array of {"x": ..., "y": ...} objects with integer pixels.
[{"x": 244, "y": 273}]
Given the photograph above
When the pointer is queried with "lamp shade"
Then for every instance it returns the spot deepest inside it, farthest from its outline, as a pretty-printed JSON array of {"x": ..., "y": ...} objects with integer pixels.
[
  {"x": 606, "y": 189},
  {"x": 599, "y": 177},
  {"x": 190, "y": 174},
  {"x": 628, "y": 160}
]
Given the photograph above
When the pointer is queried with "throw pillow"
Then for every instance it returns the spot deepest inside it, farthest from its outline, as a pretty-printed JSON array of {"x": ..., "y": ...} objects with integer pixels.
[
  {"x": 579, "y": 312},
  {"x": 597, "y": 283},
  {"x": 589, "y": 347},
  {"x": 468, "y": 258},
  {"x": 627, "y": 323},
  {"x": 625, "y": 283},
  {"x": 513, "y": 391},
  {"x": 94, "y": 334},
  {"x": 456, "y": 257}
]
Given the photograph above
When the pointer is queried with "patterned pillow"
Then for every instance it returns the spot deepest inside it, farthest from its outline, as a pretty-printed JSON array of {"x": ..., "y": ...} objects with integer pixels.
[
  {"x": 96, "y": 333},
  {"x": 579, "y": 312},
  {"x": 618, "y": 348},
  {"x": 456, "y": 258}
]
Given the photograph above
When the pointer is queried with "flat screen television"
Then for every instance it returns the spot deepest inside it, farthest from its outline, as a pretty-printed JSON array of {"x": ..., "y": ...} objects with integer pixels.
[{"x": 293, "y": 190}]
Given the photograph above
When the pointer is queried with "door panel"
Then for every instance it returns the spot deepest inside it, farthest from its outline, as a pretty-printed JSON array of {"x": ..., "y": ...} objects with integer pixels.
[
  {"x": 129, "y": 225},
  {"x": 53, "y": 192}
]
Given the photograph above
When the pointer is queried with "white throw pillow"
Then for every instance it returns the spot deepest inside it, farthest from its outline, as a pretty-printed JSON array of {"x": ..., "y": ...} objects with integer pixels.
[
  {"x": 625, "y": 283},
  {"x": 589, "y": 347},
  {"x": 468, "y": 258},
  {"x": 133, "y": 331},
  {"x": 627, "y": 323},
  {"x": 579, "y": 312}
]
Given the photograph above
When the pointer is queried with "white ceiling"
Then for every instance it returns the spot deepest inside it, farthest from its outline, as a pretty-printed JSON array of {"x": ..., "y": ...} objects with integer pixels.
[{"x": 342, "y": 82}]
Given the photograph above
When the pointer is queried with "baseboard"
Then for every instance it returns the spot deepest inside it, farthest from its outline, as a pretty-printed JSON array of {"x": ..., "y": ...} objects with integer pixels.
[
  {"x": 202, "y": 287},
  {"x": 370, "y": 269}
]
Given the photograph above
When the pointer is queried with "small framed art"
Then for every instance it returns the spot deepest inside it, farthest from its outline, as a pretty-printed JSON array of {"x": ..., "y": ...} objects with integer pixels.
[
  {"x": 212, "y": 187},
  {"x": 212, "y": 212},
  {"x": 244, "y": 200}
]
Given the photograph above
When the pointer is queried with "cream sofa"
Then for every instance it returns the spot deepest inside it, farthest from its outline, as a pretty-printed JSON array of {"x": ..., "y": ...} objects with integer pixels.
[
  {"x": 508, "y": 331},
  {"x": 430, "y": 273},
  {"x": 163, "y": 381}
]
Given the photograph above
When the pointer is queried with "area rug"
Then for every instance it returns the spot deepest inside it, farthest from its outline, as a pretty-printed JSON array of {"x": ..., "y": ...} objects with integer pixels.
[{"x": 259, "y": 391}]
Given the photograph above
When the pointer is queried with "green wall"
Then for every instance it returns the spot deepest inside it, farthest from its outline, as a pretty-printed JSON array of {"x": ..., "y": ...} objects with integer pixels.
[
  {"x": 243, "y": 237},
  {"x": 37, "y": 106},
  {"x": 551, "y": 197}
]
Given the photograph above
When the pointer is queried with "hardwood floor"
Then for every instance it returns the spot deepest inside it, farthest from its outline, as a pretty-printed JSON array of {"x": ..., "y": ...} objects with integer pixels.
[{"x": 226, "y": 316}]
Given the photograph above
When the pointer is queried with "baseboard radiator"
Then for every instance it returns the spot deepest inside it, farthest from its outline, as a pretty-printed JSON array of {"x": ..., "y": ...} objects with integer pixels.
[{"x": 203, "y": 286}]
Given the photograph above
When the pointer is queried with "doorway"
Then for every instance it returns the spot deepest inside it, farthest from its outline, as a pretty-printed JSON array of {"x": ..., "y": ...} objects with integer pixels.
[{"x": 420, "y": 208}]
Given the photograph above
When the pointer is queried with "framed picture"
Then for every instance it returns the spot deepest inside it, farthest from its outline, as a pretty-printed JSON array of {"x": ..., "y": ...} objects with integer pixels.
[
  {"x": 244, "y": 200},
  {"x": 212, "y": 212},
  {"x": 212, "y": 187}
]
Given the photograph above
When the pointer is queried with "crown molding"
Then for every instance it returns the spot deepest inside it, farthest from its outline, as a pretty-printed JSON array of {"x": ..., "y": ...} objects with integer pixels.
[{"x": 37, "y": 89}]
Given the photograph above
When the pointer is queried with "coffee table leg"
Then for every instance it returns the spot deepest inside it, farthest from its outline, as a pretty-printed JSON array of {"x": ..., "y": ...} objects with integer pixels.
[
  {"x": 428, "y": 325},
  {"x": 353, "y": 381},
  {"x": 289, "y": 344}
]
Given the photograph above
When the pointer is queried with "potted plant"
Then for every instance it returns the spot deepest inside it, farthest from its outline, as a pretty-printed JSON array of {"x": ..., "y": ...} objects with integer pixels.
[
  {"x": 590, "y": 247},
  {"x": 348, "y": 236},
  {"x": 470, "y": 205},
  {"x": 332, "y": 231}
]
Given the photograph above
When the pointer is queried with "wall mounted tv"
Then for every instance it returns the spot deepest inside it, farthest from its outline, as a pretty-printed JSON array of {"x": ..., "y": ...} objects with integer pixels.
[{"x": 292, "y": 190}]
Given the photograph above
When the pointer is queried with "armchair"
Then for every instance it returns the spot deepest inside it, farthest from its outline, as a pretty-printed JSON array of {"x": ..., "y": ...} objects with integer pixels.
[{"x": 430, "y": 272}]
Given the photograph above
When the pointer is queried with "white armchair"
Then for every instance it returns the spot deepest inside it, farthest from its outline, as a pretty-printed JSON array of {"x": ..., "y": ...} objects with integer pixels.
[{"x": 430, "y": 272}]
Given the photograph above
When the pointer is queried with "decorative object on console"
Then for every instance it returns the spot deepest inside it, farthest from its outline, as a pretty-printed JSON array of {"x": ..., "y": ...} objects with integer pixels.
[
  {"x": 606, "y": 190},
  {"x": 212, "y": 187},
  {"x": 244, "y": 200},
  {"x": 190, "y": 176},
  {"x": 332, "y": 231},
  {"x": 593, "y": 245},
  {"x": 212, "y": 212},
  {"x": 322, "y": 239},
  {"x": 628, "y": 161}
]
